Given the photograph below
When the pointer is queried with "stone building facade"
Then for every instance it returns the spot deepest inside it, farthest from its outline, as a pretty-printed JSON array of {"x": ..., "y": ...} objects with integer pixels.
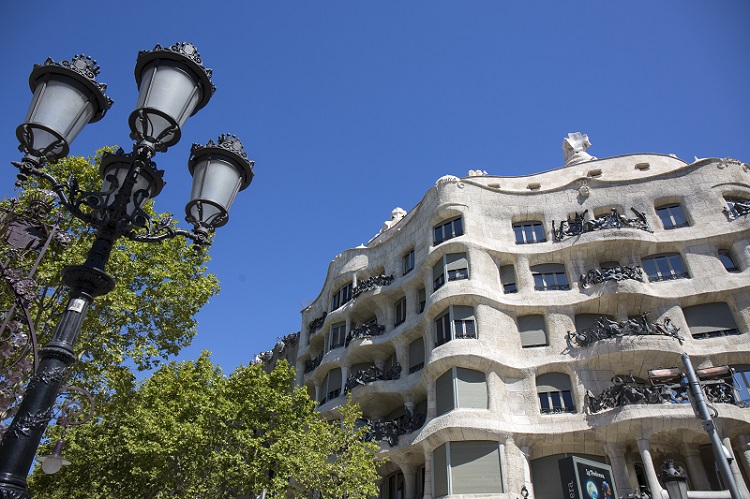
[{"x": 506, "y": 323}]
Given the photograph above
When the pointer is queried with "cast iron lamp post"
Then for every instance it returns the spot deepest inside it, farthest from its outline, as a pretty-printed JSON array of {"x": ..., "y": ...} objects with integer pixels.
[{"x": 173, "y": 85}]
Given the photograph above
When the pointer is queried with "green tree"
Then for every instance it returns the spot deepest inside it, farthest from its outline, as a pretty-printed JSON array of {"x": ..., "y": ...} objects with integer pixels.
[
  {"x": 191, "y": 431},
  {"x": 148, "y": 317}
]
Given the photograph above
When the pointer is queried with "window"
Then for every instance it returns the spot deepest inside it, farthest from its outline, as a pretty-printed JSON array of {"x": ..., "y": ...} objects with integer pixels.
[
  {"x": 467, "y": 467},
  {"x": 737, "y": 206},
  {"x": 664, "y": 267},
  {"x": 393, "y": 486},
  {"x": 455, "y": 265},
  {"x": 416, "y": 355},
  {"x": 508, "y": 279},
  {"x": 456, "y": 322},
  {"x": 407, "y": 263},
  {"x": 337, "y": 336},
  {"x": 710, "y": 320},
  {"x": 549, "y": 277},
  {"x": 727, "y": 260},
  {"x": 448, "y": 230},
  {"x": 400, "y": 312},
  {"x": 331, "y": 387},
  {"x": 460, "y": 388},
  {"x": 422, "y": 295},
  {"x": 555, "y": 393},
  {"x": 341, "y": 296},
  {"x": 742, "y": 384},
  {"x": 529, "y": 232},
  {"x": 533, "y": 331},
  {"x": 672, "y": 216}
]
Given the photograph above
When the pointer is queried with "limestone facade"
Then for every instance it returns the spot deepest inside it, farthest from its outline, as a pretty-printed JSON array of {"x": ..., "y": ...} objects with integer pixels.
[{"x": 455, "y": 328}]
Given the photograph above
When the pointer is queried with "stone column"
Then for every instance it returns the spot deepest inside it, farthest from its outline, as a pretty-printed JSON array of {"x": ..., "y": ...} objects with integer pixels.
[
  {"x": 344, "y": 375},
  {"x": 427, "y": 473},
  {"x": 410, "y": 480},
  {"x": 741, "y": 485},
  {"x": 745, "y": 453},
  {"x": 648, "y": 465},
  {"x": 494, "y": 387},
  {"x": 695, "y": 469},
  {"x": 524, "y": 281},
  {"x": 525, "y": 453},
  {"x": 317, "y": 392},
  {"x": 616, "y": 454}
]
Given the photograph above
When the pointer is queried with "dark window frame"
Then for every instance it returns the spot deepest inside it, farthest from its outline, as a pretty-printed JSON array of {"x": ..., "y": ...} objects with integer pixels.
[{"x": 447, "y": 230}]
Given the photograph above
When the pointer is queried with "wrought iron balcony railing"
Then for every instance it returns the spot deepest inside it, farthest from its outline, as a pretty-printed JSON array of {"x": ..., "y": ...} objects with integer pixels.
[
  {"x": 390, "y": 431},
  {"x": 605, "y": 328},
  {"x": 364, "y": 330},
  {"x": 619, "y": 273},
  {"x": 614, "y": 220},
  {"x": 372, "y": 373}
]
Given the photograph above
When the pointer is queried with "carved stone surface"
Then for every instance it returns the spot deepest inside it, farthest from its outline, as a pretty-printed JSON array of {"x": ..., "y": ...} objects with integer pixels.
[
  {"x": 574, "y": 148},
  {"x": 613, "y": 220},
  {"x": 605, "y": 328},
  {"x": 619, "y": 273},
  {"x": 396, "y": 215}
]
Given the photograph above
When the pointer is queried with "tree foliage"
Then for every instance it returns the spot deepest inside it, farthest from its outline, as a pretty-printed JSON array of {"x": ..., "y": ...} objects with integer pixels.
[
  {"x": 148, "y": 317},
  {"x": 191, "y": 431}
]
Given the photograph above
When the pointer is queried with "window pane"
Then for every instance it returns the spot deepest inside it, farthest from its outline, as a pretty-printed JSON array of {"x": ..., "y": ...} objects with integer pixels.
[
  {"x": 727, "y": 261},
  {"x": 528, "y": 233},
  {"x": 519, "y": 234},
  {"x": 539, "y": 233},
  {"x": 568, "y": 400},
  {"x": 556, "y": 400},
  {"x": 458, "y": 227},
  {"x": 544, "y": 402},
  {"x": 676, "y": 264},
  {"x": 649, "y": 267}
]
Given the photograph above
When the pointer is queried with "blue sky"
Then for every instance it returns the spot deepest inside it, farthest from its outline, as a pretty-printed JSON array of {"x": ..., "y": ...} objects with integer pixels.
[{"x": 351, "y": 108}]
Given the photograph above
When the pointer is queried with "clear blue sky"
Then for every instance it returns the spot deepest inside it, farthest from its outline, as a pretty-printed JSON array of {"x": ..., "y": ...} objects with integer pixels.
[{"x": 351, "y": 108}]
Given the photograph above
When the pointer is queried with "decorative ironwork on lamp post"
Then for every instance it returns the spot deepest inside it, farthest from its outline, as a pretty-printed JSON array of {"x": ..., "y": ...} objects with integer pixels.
[{"x": 173, "y": 85}]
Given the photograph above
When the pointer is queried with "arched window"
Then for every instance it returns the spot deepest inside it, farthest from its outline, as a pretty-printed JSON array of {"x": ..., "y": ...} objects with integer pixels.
[
  {"x": 555, "y": 393},
  {"x": 664, "y": 267},
  {"x": 725, "y": 256},
  {"x": 448, "y": 230},
  {"x": 671, "y": 216}
]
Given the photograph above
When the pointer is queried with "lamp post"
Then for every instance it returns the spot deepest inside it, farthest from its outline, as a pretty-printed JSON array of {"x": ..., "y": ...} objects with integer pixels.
[
  {"x": 674, "y": 480},
  {"x": 173, "y": 85}
]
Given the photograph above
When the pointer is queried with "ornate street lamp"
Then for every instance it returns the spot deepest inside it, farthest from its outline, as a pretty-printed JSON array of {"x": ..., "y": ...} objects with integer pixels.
[
  {"x": 674, "y": 480},
  {"x": 173, "y": 85}
]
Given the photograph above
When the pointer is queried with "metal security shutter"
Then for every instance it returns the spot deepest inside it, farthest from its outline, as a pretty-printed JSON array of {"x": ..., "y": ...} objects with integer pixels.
[
  {"x": 552, "y": 382},
  {"x": 463, "y": 313},
  {"x": 533, "y": 331},
  {"x": 507, "y": 275},
  {"x": 334, "y": 379},
  {"x": 456, "y": 261},
  {"x": 548, "y": 268},
  {"x": 471, "y": 388},
  {"x": 416, "y": 352},
  {"x": 475, "y": 467},
  {"x": 709, "y": 317},
  {"x": 437, "y": 270},
  {"x": 440, "y": 471},
  {"x": 444, "y": 393},
  {"x": 587, "y": 321}
]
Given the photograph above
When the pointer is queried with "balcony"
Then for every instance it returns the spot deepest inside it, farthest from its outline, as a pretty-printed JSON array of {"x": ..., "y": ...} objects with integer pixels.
[
  {"x": 614, "y": 220},
  {"x": 372, "y": 373},
  {"x": 605, "y": 328},
  {"x": 619, "y": 273}
]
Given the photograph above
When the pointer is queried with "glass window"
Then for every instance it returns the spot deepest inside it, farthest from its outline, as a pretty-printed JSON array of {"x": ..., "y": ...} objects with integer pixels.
[
  {"x": 400, "y": 311},
  {"x": 448, "y": 230},
  {"x": 664, "y": 267},
  {"x": 456, "y": 322},
  {"x": 416, "y": 355},
  {"x": 341, "y": 296},
  {"x": 337, "y": 335},
  {"x": 555, "y": 393},
  {"x": 454, "y": 265},
  {"x": 550, "y": 277},
  {"x": 529, "y": 232},
  {"x": 331, "y": 385},
  {"x": 407, "y": 263},
  {"x": 742, "y": 384},
  {"x": 672, "y": 216},
  {"x": 422, "y": 296},
  {"x": 394, "y": 486},
  {"x": 727, "y": 260}
]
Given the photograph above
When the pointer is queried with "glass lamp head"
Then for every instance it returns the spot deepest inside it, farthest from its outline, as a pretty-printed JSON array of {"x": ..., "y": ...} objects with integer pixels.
[{"x": 66, "y": 97}]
